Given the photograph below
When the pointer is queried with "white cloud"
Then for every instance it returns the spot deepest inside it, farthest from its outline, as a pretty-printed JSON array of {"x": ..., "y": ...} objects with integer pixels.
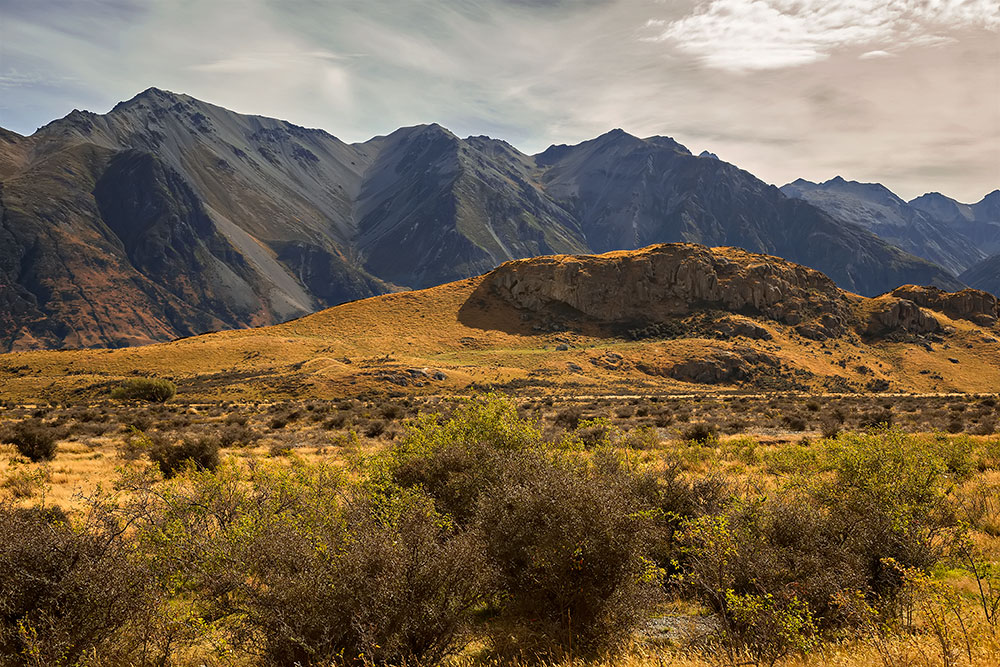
[
  {"x": 872, "y": 55},
  {"x": 767, "y": 34}
]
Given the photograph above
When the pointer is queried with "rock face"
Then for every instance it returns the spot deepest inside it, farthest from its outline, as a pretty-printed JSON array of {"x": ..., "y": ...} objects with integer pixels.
[
  {"x": 669, "y": 281},
  {"x": 899, "y": 316},
  {"x": 968, "y": 304},
  {"x": 719, "y": 367},
  {"x": 169, "y": 216},
  {"x": 658, "y": 287}
]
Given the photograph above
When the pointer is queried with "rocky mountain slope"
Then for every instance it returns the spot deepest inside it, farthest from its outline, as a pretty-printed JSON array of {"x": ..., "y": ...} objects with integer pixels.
[
  {"x": 979, "y": 222},
  {"x": 985, "y": 275},
  {"x": 169, "y": 216},
  {"x": 877, "y": 209},
  {"x": 673, "y": 318}
]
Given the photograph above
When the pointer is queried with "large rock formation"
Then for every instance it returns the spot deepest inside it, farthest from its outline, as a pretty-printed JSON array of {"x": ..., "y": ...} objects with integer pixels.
[
  {"x": 674, "y": 280},
  {"x": 653, "y": 289},
  {"x": 968, "y": 304}
]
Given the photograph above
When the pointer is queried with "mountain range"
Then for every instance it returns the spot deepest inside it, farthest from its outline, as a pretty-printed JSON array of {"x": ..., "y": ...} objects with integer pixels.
[
  {"x": 169, "y": 216},
  {"x": 937, "y": 228}
]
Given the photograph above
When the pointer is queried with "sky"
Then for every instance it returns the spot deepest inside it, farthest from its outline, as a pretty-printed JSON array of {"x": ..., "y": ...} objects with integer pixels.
[{"x": 903, "y": 92}]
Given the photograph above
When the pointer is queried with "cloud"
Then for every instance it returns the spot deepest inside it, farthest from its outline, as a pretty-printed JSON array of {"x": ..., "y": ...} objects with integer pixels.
[
  {"x": 536, "y": 72},
  {"x": 742, "y": 35},
  {"x": 872, "y": 55}
]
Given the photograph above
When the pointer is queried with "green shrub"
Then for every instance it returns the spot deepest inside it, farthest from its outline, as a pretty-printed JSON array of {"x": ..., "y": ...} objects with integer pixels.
[
  {"x": 202, "y": 453},
  {"x": 305, "y": 569},
  {"x": 570, "y": 549},
  {"x": 568, "y": 540},
  {"x": 153, "y": 390},
  {"x": 33, "y": 440},
  {"x": 826, "y": 538},
  {"x": 456, "y": 461}
]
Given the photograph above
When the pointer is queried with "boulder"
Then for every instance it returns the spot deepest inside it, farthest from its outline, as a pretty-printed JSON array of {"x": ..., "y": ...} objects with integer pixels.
[{"x": 969, "y": 304}]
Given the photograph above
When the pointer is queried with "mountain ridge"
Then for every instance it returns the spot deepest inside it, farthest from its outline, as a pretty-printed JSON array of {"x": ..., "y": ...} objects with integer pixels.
[{"x": 185, "y": 217}]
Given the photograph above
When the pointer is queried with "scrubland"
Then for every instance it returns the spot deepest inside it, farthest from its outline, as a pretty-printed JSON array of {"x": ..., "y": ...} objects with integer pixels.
[{"x": 714, "y": 530}]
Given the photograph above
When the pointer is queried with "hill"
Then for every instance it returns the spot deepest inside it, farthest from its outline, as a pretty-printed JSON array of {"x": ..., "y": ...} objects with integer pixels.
[
  {"x": 169, "y": 216},
  {"x": 668, "y": 318}
]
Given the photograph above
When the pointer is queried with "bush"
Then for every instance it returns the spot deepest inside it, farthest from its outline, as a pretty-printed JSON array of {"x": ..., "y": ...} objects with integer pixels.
[
  {"x": 73, "y": 594},
  {"x": 202, "y": 453},
  {"x": 568, "y": 417},
  {"x": 308, "y": 570},
  {"x": 570, "y": 549},
  {"x": 153, "y": 390},
  {"x": 458, "y": 460},
  {"x": 33, "y": 440},
  {"x": 568, "y": 540},
  {"x": 701, "y": 434},
  {"x": 826, "y": 540}
]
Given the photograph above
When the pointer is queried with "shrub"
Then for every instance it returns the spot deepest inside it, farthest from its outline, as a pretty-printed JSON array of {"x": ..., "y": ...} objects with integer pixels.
[
  {"x": 153, "y": 390},
  {"x": 571, "y": 553},
  {"x": 456, "y": 461},
  {"x": 237, "y": 435},
  {"x": 375, "y": 428},
  {"x": 700, "y": 433},
  {"x": 308, "y": 570},
  {"x": 73, "y": 594},
  {"x": 202, "y": 453},
  {"x": 568, "y": 417},
  {"x": 33, "y": 440},
  {"x": 794, "y": 422},
  {"x": 825, "y": 539}
]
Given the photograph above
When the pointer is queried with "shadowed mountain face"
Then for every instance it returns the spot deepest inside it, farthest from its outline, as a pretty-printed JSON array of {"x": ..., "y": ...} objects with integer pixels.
[
  {"x": 874, "y": 207},
  {"x": 985, "y": 275},
  {"x": 979, "y": 222},
  {"x": 169, "y": 216}
]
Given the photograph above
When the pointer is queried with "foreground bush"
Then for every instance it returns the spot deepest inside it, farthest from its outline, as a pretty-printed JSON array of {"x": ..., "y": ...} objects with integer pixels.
[
  {"x": 33, "y": 440},
  {"x": 570, "y": 549},
  {"x": 301, "y": 568},
  {"x": 71, "y": 593},
  {"x": 568, "y": 540},
  {"x": 153, "y": 390},
  {"x": 827, "y": 551}
]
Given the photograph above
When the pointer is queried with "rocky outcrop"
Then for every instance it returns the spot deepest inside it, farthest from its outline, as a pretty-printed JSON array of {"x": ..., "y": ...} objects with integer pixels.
[
  {"x": 899, "y": 316},
  {"x": 740, "y": 327},
  {"x": 740, "y": 364},
  {"x": 669, "y": 281},
  {"x": 969, "y": 304}
]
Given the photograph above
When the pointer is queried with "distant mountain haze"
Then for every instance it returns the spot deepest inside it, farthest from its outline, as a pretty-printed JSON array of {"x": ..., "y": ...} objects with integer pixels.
[
  {"x": 169, "y": 216},
  {"x": 925, "y": 227},
  {"x": 985, "y": 275}
]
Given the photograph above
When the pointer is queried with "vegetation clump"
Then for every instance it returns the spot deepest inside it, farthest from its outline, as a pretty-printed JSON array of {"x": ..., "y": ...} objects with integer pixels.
[
  {"x": 33, "y": 440},
  {"x": 152, "y": 390},
  {"x": 201, "y": 453}
]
